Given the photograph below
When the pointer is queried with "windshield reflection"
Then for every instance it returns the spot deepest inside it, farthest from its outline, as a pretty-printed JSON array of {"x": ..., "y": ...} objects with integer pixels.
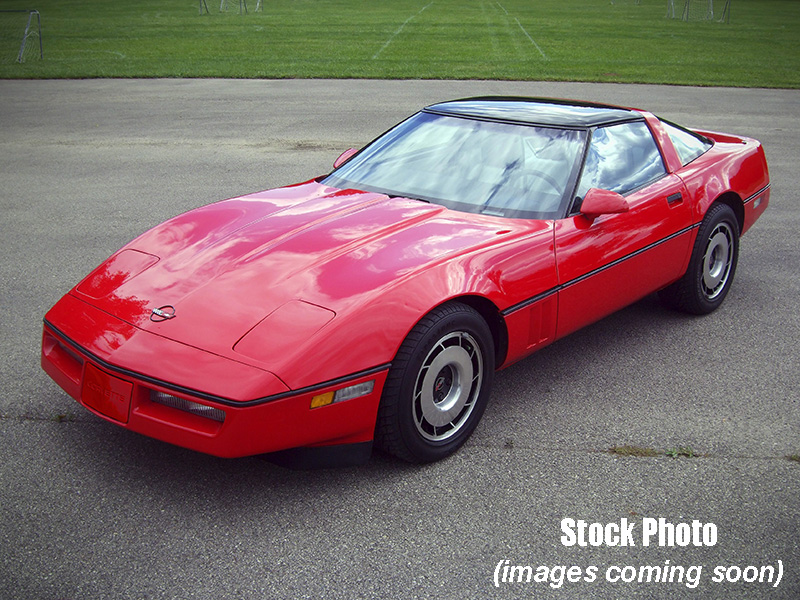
[{"x": 470, "y": 165}]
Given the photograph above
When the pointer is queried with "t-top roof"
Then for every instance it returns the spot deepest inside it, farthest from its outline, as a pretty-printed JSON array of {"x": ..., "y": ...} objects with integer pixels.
[{"x": 538, "y": 111}]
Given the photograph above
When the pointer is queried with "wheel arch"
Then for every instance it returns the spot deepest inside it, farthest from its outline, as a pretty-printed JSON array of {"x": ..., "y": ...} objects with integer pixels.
[
  {"x": 712, "y": 264},
  {"x": 411, "y": 422},
  {"x": 735, "y": 202},
  {"x": 491, "y": 314}
]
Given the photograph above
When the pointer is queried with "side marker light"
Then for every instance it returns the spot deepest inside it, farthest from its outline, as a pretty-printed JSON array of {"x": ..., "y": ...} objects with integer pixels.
[{"x": 346, "y": 393}]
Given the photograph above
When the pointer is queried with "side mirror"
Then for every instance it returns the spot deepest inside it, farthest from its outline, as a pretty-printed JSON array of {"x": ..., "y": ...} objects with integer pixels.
[
  {"x": 598, "y": 202},
  {"x": 344, "y": 157}
]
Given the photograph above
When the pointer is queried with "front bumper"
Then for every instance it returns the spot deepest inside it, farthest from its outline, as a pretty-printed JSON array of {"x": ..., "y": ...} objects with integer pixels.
[{"x": 258, "y": 413}]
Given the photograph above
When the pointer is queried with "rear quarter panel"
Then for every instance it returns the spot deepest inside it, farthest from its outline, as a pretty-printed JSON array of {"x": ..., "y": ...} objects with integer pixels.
[{"x": 733, "y": 166}]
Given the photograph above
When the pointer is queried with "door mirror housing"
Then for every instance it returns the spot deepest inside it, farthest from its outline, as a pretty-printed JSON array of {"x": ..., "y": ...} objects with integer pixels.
[
  {"x": 344, "y": 157},
  {"x": 598, "y": 202}
]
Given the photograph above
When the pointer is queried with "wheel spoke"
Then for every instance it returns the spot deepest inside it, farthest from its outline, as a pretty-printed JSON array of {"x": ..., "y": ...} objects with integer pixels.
[
  {"x": 717, "y": 261},
  {"x": 447, "y": 386}
]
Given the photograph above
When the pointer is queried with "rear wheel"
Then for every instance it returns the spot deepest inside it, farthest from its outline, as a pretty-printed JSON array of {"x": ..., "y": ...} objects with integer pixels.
[
  {"x": 438, "y": 385},
  {"x": 712, "y": 266}
]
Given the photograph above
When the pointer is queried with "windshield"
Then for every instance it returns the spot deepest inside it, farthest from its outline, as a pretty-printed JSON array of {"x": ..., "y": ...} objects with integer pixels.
[{"x": 476, "y": 166}]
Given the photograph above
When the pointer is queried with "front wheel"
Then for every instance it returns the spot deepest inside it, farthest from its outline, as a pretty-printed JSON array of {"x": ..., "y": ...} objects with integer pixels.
[
  {"x": 712, "y": 265},
  {"x": 438, "y": 385}
]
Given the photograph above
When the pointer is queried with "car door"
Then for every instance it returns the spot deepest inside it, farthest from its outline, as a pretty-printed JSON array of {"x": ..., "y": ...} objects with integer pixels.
[{"x": 610, "y": 261}]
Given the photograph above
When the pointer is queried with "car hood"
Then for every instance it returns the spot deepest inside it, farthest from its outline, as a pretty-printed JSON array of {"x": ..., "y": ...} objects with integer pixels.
[{"x": 302, "y": 254}]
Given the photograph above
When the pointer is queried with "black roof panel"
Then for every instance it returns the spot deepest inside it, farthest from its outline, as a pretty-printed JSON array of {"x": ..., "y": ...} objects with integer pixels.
[{"x": 538, "y": 111}]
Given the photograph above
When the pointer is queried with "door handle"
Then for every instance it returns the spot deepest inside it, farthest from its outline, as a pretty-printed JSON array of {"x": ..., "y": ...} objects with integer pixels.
[{"x": 673, "y": 198}]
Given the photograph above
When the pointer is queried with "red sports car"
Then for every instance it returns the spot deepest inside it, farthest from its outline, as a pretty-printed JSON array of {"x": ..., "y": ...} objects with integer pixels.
[{"x": 375, "y": 303}]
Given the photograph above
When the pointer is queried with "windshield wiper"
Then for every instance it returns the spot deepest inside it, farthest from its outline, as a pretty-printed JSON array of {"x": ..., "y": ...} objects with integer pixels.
[{"x": 410, "y": 198}]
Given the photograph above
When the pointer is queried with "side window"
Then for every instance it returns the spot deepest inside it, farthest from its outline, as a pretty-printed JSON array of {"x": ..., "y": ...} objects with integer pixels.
[
  {"x": 688, "y": 145},
  {"x": 621, "y": 158}
]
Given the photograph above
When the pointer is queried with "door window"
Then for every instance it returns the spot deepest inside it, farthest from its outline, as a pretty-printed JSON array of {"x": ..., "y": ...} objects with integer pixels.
[{"x": 621, "y": 158}]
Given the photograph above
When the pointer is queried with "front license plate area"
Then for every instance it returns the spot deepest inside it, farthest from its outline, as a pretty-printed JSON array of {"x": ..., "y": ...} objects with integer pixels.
[{"x": 108, "y": 395}]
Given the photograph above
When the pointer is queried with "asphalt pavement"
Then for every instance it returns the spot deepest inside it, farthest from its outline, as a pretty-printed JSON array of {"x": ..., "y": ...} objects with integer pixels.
[{"x": 91, "y": 511}]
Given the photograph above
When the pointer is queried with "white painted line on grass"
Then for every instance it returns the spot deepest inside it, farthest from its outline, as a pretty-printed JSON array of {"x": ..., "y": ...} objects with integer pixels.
[
  {"x": 544, "y": 56},
  {"x": 528, "y": 35},
  {"x": 399, "y": 29}
]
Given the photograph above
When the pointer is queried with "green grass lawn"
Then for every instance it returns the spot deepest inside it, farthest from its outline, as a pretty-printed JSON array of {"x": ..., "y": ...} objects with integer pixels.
[{"x": 573, "y": 40}]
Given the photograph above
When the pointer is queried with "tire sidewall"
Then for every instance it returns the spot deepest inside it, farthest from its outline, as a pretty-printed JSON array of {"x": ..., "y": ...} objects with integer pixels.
[
  {"x": 719, "y": 213},
  {"x": 463, "y": 319}
]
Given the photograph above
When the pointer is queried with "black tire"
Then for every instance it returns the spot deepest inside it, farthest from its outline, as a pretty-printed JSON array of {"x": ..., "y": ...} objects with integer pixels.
[
  {"x": 438, "y": 385},
  {"x": 712, "y": 265}
]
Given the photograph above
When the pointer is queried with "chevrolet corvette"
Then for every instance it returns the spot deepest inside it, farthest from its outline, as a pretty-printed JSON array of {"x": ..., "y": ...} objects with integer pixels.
[{"x": 372, "y": 305}]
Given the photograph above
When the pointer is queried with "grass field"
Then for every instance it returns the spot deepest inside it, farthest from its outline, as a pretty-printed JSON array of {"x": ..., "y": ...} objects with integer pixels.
[{"x": 572, "y": 40}]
